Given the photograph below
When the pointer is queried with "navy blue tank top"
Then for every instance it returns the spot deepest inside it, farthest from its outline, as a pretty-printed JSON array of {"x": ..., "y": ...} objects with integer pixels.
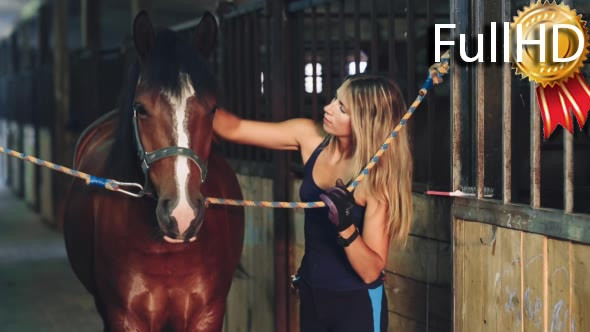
[{"x": 324, "y": 263}]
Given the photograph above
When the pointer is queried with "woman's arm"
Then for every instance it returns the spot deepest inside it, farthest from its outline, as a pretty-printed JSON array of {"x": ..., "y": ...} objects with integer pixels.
[
  {"x": 286, "y": 135},
  {"x": 368, "y": 253}
]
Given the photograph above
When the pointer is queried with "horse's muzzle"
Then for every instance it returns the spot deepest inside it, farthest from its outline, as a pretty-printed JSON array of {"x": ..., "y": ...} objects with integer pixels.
[{"x": 180, "y": 226}]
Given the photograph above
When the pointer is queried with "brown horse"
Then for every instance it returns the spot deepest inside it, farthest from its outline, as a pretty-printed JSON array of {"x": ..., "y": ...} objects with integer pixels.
[{"x": 165, "y": 262}]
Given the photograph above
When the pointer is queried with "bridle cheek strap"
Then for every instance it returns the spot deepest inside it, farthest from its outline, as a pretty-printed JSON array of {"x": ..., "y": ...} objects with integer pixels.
[{"x": 147, "y": 158}]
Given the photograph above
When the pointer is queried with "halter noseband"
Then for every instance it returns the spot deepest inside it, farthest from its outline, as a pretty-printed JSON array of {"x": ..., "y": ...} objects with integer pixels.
[{"x": 147, "y": 158}]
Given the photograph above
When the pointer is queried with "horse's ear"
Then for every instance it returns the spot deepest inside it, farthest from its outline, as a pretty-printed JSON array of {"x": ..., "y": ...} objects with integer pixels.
[
  {"x": 206, "y": 34},
  {"x": 144, "y": 36}
]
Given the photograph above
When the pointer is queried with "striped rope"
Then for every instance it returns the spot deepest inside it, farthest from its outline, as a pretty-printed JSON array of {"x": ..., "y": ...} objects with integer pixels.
[
  {"x": 435, "y": 74},
  {"x": 89, "y": 179}
]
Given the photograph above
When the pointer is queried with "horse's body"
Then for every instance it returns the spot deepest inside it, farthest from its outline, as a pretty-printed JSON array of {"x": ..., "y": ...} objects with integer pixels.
[{"x": 139, "y": 281}]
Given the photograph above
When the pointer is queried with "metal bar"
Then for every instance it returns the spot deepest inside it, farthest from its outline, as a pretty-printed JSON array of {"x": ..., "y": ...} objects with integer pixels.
[
  {"x": 568, "y": 164},
  {"x": 507, "y": 117},
  {"x": 357, "y": 36},
  {"x": 458, "y": 17},
  {"x": 342, "y": 36},
  {"x": 268, "y": 115},
  {"x": 374, "y": 37},
  {"x": 246, "y": 7},
  {"x": 410, "y": 51},
  {"x": 535, "y": 148},
  {"x": 301, "y": 5},
  {"x": 328, "y": 61},
  {"x": 301, "y": 64},
  {"x": 568, "y": 171},
  {"x": 258, "y": 155},
  {"x": 239, "y": 81},
  {"x": 480, "y": 109},
  {"x": 548, "y": 222},
  {"x": 278, "y": 22},
  {"x": 367, "y": 16},
  {"x": 248, "y": 86},
  {"x": 314, "y": 62},
  {"x": 430, "y": 102},
  {"x": 391, "y": 39},
  {"x": 231, "y": 72}
]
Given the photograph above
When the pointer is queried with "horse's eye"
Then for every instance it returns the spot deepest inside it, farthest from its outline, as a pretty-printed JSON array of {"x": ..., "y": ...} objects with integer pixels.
[{"x": 141, "y": 111}]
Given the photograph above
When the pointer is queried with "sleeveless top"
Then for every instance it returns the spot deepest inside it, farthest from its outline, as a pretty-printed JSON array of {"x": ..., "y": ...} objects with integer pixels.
[{"x": 324, "y": 264}]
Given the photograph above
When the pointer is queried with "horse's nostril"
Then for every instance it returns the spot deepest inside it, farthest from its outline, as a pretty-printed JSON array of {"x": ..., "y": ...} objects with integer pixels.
[{"x": 171, "y": 222}]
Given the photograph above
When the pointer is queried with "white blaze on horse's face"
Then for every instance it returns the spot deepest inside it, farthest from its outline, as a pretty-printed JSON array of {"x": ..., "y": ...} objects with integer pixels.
[{"x": 183, "y": 211}]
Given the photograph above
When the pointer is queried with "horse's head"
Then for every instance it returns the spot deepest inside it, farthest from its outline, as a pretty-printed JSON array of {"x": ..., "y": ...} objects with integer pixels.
[{"x": 175, "y": 100}]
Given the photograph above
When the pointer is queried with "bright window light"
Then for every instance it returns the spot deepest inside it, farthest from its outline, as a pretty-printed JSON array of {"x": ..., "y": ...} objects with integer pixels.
[
  {"x": 352, "y": 67},
  {"x": 309, "y": 78}
]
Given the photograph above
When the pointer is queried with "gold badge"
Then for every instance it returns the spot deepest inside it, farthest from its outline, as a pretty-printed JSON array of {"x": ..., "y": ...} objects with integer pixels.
[{"x": 553, "y": 47}]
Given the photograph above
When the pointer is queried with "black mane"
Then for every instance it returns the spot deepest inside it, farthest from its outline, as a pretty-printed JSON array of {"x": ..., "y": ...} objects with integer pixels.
[{"x": 169, "y": 57}]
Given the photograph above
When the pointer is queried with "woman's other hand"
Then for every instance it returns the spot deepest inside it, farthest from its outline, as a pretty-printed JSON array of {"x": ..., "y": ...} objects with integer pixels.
[{"x": 340, "y": 201}]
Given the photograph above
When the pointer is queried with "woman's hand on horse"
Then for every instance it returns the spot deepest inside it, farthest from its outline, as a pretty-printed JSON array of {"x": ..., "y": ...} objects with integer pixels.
[{"x": 340, "y": 201}]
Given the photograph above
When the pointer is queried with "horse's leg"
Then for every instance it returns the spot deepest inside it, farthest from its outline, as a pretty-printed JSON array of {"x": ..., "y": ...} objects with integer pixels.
[
  {"x": 78, "y": 231},
  {"x": 210, "y": 319},
  {"x": 78, "y": 228}
]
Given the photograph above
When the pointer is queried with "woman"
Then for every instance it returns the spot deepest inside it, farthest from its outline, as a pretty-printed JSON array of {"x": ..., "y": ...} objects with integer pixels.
[{"x": 346, "y": 244}]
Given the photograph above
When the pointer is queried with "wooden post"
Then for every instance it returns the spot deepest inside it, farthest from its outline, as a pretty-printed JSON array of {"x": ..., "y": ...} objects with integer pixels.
[
  {"x": 43, "y": 33},
  {"x": 63, "y": 140},
  {"x": 276, "y": 10},
  {"x": 90, "y": 40},
  {"x": 90, "y": 24}
]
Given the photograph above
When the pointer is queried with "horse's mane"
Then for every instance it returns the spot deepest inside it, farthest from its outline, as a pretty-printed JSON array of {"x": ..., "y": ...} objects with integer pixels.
[{"x": 167, "y": 59}]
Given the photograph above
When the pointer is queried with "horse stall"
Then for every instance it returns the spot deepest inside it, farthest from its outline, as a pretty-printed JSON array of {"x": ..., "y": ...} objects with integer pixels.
[
  {"x": 520, "y": 257},
  {"x": 513, "y": 257},
  {"x": 277, "y": 66}
]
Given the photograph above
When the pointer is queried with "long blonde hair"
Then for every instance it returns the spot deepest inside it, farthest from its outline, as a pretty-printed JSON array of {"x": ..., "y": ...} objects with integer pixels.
[{"x": 376, "y": 106}]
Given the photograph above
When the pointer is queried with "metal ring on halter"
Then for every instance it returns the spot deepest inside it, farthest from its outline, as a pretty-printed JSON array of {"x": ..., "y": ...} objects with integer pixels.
[{"x": 139, "y": 194}]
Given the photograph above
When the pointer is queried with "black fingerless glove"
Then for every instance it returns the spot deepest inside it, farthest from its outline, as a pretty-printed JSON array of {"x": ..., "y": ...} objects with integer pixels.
[{"x": 340, "y": 201}]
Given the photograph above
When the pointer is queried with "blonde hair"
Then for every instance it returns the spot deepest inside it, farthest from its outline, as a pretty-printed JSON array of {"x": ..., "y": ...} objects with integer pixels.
[{"x": 376, "y": 106}]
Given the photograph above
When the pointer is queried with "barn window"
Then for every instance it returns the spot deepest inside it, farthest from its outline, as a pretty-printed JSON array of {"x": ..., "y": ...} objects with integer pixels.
[
  {"x": 309, "y": 75},
  {"x": 352, "y": 67}
]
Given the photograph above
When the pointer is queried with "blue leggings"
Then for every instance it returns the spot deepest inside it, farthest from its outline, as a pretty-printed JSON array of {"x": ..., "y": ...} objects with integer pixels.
[{"x": 323, "y": 310}]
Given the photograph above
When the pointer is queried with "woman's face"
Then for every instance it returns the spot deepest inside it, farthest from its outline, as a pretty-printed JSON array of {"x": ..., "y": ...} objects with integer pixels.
[{"x": 337, "y": 117}]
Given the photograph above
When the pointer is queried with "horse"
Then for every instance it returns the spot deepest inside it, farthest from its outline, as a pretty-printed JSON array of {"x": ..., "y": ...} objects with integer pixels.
[{"x": 163, "y": 262}]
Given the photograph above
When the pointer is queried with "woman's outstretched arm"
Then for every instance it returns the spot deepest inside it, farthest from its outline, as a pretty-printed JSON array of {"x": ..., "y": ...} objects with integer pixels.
[{"x": 285, "y": 135}]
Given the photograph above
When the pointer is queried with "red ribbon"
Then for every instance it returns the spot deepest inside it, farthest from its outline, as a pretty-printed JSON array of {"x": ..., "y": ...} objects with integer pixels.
[{"x": 557, "y": 101}]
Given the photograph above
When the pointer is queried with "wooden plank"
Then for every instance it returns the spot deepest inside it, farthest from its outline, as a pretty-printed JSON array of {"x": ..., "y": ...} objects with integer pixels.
[
  {"x": 251, "y": 299},
  {"x": 580, "y": 288},
  {"x": 415, "y": 260},
  {"x": 533, "y": 259},
  {"x": 491, "y": 269},
  {"x": 418, "y": 300},
  {"x": 473, "y": 301},
  {"x": 557, "y": 306},
  {"x": 550, "y": 222},
  {"x": 431, "y": 217},
  {"x": 397, "y": 322},
  {"x": 508, "y": 308},
  {"x": 444, "y": 261},
  {"x": 458, "y": 274}
]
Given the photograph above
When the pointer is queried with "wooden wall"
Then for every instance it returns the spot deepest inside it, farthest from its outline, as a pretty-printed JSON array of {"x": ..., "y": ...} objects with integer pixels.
[
  {"x": 250, "y": 304},
  {"x": 419, "y": 276},
  {"x": 517, "y": 281}
]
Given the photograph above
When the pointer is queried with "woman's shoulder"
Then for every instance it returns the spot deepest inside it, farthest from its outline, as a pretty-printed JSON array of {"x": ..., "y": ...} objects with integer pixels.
[{"x": 310, "y": 134}]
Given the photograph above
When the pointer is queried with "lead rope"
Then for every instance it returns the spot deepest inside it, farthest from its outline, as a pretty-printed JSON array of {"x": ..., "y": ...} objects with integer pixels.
[{"x": 435, "y": 74}]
